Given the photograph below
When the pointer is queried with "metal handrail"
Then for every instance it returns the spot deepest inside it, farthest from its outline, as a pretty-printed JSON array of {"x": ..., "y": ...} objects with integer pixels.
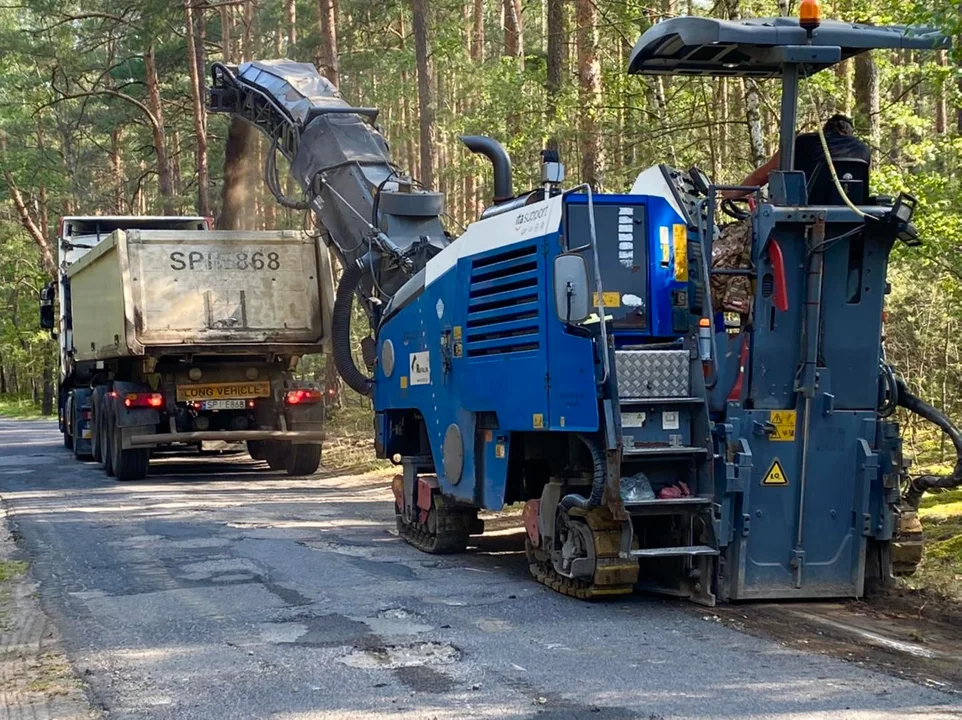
[{"x": 601, "y": 296}]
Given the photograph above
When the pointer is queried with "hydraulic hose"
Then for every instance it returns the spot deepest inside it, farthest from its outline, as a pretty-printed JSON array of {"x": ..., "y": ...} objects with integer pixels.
[
  {"x": 923, "y": 483},
  {"x": 341, "y": 327},
  {"x": 599, "y": 475}
]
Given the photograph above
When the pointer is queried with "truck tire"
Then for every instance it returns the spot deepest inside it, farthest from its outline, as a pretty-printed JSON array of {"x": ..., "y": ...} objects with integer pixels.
[
  {"x": 275, "y": 453},
  {"x": 77, "y": 442},
  {"x": 95, "y": 427},
  {"x": 303, "y": 460},
  {"x": 65, "y": 410},
  {"x": 127, "y": 464},
  {"x": 257, "y": 449},
  {"x": 103, "y": 428}
]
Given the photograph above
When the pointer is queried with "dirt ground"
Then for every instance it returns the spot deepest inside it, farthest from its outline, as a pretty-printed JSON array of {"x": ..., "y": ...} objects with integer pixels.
[{"x": 902, "y": 632}]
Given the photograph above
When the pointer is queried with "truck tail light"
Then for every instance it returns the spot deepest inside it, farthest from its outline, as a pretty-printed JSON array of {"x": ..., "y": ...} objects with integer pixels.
[
  {"x": 85, "y": 415},
  {"x": 302, "y": 397},
  {"x": 143, "y": 400}
]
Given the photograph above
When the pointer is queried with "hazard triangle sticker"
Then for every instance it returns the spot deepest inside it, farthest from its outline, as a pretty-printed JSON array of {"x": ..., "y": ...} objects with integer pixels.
[{"x": 775, "y": 477}]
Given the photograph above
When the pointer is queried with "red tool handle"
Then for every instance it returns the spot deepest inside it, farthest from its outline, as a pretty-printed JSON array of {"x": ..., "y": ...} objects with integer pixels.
[{"x": 780, "y": 291}]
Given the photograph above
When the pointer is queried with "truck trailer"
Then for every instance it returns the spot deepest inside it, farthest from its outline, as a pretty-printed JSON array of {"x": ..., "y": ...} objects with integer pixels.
[{"x": 172, "y": 334}]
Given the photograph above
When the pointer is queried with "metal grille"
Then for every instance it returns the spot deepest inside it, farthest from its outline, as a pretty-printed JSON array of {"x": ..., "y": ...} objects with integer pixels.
[
  {"x": 504, "y": 303},
  {"x": 653, "y": 373}
]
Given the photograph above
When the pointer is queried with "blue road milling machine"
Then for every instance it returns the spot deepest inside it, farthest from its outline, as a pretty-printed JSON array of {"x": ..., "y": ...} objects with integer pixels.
[{"x": 563, "y": 353}]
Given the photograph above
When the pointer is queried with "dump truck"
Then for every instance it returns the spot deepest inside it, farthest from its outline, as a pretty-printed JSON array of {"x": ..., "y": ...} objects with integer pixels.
[{"x": 172, "y": 335}]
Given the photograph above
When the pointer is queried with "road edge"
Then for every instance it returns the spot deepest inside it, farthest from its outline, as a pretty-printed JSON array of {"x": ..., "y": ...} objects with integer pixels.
[{"x": 36, "y": 678}]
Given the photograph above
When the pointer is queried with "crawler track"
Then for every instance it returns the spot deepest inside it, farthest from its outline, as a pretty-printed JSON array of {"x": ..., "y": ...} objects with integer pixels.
[{"x": 446, "y": 531}]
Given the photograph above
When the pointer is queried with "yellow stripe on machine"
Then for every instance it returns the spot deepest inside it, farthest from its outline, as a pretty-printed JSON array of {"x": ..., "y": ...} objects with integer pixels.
[{"x": 224, "y": 391}]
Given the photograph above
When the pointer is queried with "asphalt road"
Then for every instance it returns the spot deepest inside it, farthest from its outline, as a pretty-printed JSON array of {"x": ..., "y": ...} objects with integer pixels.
[{"x": 214, "y": 589}]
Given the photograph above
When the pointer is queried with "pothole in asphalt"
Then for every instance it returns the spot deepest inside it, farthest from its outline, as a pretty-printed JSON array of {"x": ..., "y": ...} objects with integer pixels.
[
  {"x": 207, "y": 569},
  {"x": 396, "y": 621},
  {"x": 392, "y": 657}
]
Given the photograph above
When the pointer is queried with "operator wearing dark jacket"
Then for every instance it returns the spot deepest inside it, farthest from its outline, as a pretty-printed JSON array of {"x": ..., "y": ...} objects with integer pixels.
[
  {"x": 732, "y": 248},
  {"x": 810, "y": 157}
]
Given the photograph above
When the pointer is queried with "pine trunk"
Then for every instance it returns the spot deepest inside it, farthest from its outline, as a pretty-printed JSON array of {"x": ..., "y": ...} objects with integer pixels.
[
  {"x": 895, "y": 132},
  {"x": 843, "y": 71},
  {"x": 291, "y": 13},
  {"x": 428, "y": 130},
  {"x": 46, "y": 402},
  {"x": 513, "y": 33},
  {"x": 756, "y": 131},
  {"x": 117, "y": 169},
  {"x": 941, "y": 104},
  {"x": 200, "y": 126},
  {"x": 176, "y": 176},
  {"x": 589, "y": 93},
  {"x": 327, "y": 51},
  {"x": 471, "y": 193},
  {"x": 247, "y": 45},
  {"x": 225, "y": 39},
  {"x": 867, "y": 118},
  {"x": 157, "y": 128},
  {"x": 557, "y": 39}
]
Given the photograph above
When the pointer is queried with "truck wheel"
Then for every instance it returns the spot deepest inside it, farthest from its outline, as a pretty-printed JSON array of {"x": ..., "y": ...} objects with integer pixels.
[
  {"x": 67, "y": 439},
  {"x": 106, "y": 453},
  {"x": 127, "y": 464},
  {"x": 95, "y": 428},
  {"x": 257, "y": 449},
  {"x": 78, "y": 441},
  {"x": 275, "y": 453},
  {"x": 303, "y": 460}
]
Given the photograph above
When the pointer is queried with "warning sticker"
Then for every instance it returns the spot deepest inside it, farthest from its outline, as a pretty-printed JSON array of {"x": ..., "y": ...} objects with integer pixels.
[
  {"x": 679, "y": 235},
  {"x": 608, "y": 299},
  {"x": 775, "y": 477},
  {"x": 784, "y": 423}
]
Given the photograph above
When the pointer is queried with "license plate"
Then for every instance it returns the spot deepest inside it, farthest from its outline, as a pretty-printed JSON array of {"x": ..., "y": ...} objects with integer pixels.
[
  {"x": 223, "y": 404},
  {"x": 224, "y": 391}
]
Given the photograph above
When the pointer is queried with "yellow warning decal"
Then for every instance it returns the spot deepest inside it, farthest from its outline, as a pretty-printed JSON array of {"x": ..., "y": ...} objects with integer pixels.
[
  {"x": 775, "y": 477},
  {"x": 457, "y": 332},
  {"x": 537, "y": 421},
  {"x": 404, "y": 382},
  {"x": 680, "y": 241},
  {"x": 609, "y": 299},
  {"x": 784, "y": 423}
]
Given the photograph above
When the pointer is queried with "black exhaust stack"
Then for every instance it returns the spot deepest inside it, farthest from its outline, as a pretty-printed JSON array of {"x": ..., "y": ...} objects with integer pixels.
[{"x": 495, "y": 152}]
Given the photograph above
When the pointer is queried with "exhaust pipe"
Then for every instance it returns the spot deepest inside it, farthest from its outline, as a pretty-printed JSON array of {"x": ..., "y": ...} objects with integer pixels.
[{"x": 495, "y": 152}]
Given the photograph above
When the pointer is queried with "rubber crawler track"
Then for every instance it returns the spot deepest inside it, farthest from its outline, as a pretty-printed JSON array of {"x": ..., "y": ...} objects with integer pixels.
[
  {"x": 540, "y": 568},
  {"x": 453, "y": 529}
]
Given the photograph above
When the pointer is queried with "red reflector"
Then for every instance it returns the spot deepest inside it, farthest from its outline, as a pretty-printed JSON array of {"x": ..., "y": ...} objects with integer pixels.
[
  {"x": 142, "y": 400},
  {"x": 302, "y": 397},
  {"x": 85, "y": 414}
]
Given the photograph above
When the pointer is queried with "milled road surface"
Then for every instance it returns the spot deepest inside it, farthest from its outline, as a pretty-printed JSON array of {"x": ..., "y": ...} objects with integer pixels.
[{"x": 216, "y": 590}]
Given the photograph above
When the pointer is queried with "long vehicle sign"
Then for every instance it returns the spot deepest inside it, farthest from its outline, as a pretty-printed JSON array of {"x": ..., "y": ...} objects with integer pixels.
[{"x": 223, "y": 391}]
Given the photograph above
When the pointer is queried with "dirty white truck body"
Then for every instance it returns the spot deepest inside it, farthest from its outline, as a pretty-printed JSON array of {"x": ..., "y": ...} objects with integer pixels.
[{"x": 187, "y": 335}]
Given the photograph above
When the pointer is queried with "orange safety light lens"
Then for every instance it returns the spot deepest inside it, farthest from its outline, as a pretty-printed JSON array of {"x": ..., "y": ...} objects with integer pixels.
[
  {"x": 810, "y": 14},
  {"x": 704, "y": 322}
]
